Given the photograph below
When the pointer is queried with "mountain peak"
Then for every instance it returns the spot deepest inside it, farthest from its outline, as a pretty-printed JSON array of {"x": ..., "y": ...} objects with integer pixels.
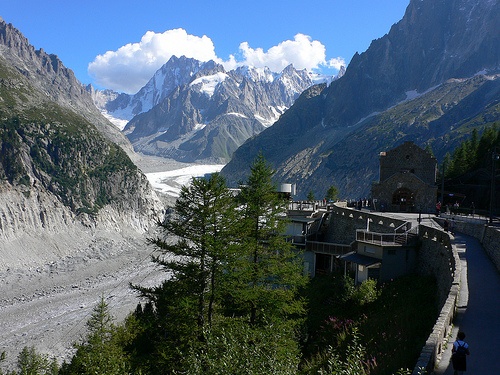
[
  {"x": 255, "y": 74},
  {"x": 192, "y": 110}
]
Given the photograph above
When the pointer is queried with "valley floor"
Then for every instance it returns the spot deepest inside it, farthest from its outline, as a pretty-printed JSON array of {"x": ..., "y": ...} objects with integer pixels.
[{"x": 47, "y": 306}]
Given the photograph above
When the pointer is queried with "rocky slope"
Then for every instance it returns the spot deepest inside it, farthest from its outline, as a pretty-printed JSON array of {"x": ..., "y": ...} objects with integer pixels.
[
  {"x": 54, "y": 140},
  {"x": 58, "y": 168},
  {"x": 48, "y": 75},
  {"x": 436, "y": 69},
  {"x": 70, "y": 198}
]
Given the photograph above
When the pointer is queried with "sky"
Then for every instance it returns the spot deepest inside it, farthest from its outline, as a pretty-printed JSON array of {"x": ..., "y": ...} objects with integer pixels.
[{"x": 120, "y": 44}]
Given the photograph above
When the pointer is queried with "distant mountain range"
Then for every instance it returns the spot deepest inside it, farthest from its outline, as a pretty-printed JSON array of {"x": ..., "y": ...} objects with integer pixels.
[
  {"x": 197, "y": 111},
  {"x": 432, "y": 79}
]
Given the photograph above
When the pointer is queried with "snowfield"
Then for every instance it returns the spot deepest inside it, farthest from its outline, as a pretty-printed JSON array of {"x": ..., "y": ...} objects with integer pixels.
[{"x": 170, "y": 182}]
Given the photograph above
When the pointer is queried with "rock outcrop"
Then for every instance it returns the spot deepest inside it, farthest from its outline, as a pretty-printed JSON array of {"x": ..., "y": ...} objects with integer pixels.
[{"x": 63, "y": 181}]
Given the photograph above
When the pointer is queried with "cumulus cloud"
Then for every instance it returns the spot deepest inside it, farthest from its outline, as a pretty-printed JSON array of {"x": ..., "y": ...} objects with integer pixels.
[
  {"x": 336, "y": 63},
  {"x": 131, "y": 66},
  {"x": 302, "y": 52}
]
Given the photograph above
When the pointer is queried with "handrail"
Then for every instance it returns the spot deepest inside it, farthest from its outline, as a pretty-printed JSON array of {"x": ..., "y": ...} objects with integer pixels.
[
  {"x": 376, "y": 238},
  {"x": 402, "y": 225},
  {"x": 384, "y": 238}
]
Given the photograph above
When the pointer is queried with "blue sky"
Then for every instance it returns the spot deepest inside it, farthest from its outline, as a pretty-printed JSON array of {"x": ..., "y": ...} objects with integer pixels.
[{"x": 120, "y": 44}]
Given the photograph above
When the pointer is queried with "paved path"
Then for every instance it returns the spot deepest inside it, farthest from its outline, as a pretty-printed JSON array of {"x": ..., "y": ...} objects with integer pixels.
[{"x": 479, "y": 310}]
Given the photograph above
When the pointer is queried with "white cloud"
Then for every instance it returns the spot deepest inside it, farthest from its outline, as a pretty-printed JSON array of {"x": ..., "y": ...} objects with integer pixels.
[
  {"x": 336, "y": 63},
  {"x": 302, "y": 52},
  {"x": 131, "y": 66}
]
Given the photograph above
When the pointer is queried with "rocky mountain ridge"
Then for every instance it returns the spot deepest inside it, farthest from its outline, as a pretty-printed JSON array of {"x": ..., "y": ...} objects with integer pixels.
[
  {"x": 48, "y": 75},
  {"x": 176, "y": 72},
  {"x": 406, "y": 83},
  {"x": 59, "y": 171},
  {"x": 198, "y": 111}
]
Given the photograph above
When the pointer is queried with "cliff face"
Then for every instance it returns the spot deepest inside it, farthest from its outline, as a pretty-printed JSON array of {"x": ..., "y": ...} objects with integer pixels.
[
  {"x": 435, "y": 41},
  {"x": 48, "y": 75},
  {"x": 431, "y": 80},
  {"x": 63, "y": 184}
]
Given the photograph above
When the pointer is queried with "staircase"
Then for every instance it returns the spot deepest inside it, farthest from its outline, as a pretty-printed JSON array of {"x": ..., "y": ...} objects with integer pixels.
[{"x": 408, "y": 237}]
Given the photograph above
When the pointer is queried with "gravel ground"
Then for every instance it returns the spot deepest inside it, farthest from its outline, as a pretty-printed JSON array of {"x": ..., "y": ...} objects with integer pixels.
[{"x": 47, "y": 306}]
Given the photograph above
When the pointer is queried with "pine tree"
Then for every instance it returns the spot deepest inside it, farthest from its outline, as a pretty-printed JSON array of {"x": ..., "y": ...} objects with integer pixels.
[
  {"x": 29, "y": 362},
  {"x": 228, "y": 263},
  {"x": 196, "y": 248},
  {"x": 489, "y": 140},
  {"x": 99, "y": 353},
  {"x": 473, "y": 148},
  {"x": 332, "y": 193},
  {"x": 310, "y": 196},
  {"x": 428, "y": 148},
  {"x": 203, "y": 223},
  {"x": 270, "y": 270}
]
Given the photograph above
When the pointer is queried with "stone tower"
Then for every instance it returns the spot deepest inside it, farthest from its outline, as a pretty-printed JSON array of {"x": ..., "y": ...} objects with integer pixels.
[{"x": 407, "y": 180}]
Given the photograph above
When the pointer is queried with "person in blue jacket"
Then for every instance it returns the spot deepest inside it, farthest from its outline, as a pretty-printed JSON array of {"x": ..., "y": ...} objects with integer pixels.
[{"x": 460, "y": 351}]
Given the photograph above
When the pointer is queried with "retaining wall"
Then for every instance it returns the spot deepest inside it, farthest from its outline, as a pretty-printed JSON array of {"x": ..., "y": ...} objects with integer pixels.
[
  {"x": 439, "y": 258},
  {"x": 488, "y": 236},
  {"x": 436, "y": 256},
  {"x": 491, "y": 243},
  {"x": 345, "y": 221}
]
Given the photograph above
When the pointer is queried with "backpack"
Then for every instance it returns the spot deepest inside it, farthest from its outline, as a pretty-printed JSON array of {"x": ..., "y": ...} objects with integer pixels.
[{"x": 461, "y": 350}]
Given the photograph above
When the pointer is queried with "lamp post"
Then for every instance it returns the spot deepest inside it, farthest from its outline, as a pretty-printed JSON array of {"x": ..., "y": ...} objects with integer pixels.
[
  {"x": 442, "y": 182},
  {"x": 494, "y": 157}
]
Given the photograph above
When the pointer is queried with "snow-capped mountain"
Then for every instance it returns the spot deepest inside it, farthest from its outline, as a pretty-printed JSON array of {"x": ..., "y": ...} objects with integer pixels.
[
  {"x": 121, "y": 108},
  {"x": 192, "y": 111}
]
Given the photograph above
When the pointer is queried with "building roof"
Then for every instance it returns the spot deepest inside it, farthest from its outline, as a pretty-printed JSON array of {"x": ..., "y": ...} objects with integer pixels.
[
  {"x": 360, "y": 259},
  {"x": 304, "y": 219}
]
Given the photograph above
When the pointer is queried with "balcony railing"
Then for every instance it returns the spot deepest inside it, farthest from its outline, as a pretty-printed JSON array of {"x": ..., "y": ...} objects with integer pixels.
[{"x": 383, "y": 239}]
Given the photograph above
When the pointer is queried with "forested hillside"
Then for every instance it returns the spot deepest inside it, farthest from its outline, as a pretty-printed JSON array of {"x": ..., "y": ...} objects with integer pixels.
[{"x": 471, "y": 172}]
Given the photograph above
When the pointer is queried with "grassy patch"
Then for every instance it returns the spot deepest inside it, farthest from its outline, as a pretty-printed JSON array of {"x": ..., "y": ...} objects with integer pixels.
[{"x": 394, "y": 320}]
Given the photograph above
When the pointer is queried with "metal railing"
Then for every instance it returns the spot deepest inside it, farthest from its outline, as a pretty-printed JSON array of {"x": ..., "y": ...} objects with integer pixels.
[{"x": 396, "y": 238}]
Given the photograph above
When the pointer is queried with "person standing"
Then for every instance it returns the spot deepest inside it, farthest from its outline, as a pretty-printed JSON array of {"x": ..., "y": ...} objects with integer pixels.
[{"x": 460, "y": 351}]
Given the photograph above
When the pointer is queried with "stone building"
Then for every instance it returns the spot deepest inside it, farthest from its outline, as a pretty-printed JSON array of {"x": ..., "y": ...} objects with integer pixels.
[{"x": 407, "y": 180}]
